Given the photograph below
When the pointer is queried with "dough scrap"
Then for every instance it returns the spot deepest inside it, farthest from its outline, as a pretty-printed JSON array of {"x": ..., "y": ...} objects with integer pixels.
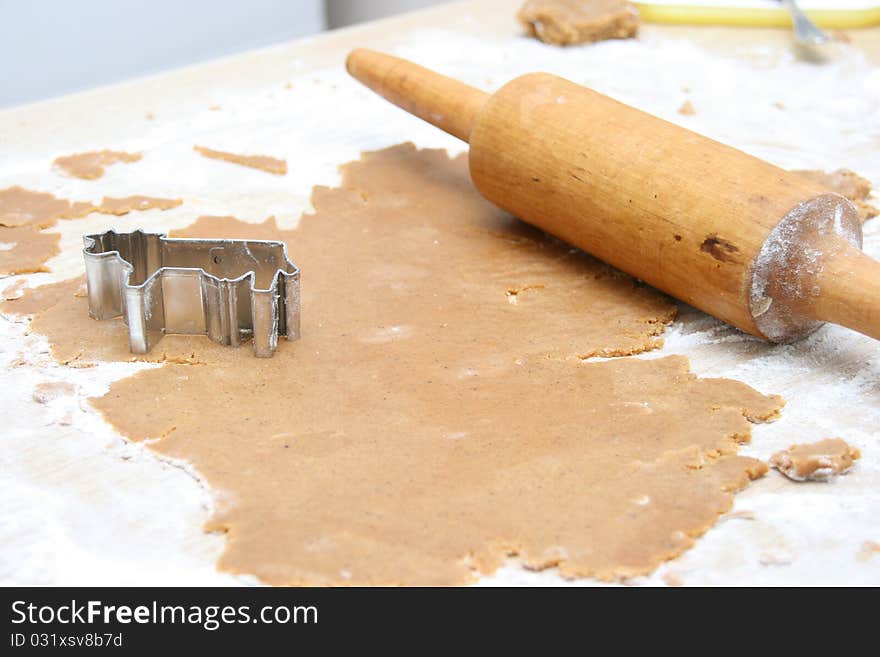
[
  {"x": 24, "y": 250},
  {"x": 120, "y": 206},
  {"x": 424, "y": 428},
  {"x": 262, "y": 162},
  {"x": 846, "y": 183},
  {"x": 819, "y": 461},
  {"x": 868, "y": 550},
  {"x": 567, "y": 22},
  {"x": 92, "y": 165},
  {"x": 23, "y": 207},
  {"x": 687, "y": 108}
]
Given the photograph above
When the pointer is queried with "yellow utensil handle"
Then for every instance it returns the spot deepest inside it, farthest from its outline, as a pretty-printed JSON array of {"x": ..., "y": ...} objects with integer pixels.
[{"x": 686, "y": 14}]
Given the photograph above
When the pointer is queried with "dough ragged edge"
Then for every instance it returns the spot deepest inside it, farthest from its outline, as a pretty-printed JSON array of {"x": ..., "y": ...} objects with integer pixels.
[{"x": 570, "y": 22}]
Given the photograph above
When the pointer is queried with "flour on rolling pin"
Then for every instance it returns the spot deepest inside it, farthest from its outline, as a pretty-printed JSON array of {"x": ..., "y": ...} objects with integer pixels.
[{"x": 791, "y": 263}]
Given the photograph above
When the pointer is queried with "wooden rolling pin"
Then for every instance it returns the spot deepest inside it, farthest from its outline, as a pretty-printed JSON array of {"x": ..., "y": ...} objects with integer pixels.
[{"x": 757, "y": 246}]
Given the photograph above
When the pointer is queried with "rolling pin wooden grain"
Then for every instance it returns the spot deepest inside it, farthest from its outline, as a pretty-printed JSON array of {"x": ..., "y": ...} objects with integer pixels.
[{"x": 757, "y": 246}]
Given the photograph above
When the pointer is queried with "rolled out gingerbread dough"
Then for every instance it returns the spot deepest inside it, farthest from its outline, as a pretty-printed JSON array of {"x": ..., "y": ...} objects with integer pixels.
[
  {"x": 569, "y": 22},
  {"x": 426, "y": 426},
  {"x": 24, "y": 250}
]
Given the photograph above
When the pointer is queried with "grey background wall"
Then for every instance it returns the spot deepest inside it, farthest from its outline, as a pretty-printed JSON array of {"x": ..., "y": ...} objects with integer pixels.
[
  {"x": 54, "y": 47},
  {"x": 347, "y": 12}
]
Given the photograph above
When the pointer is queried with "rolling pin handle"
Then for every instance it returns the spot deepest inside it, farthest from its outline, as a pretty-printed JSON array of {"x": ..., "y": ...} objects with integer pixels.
[
  {"x": 849, "y": 292},
  {"x": 448, "y": 104}
]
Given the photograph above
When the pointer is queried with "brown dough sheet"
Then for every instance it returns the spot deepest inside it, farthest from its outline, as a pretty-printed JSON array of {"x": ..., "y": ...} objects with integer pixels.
[
  {"x": 24, "y": 250},
  {"x": 262, "y": 162},
  {"x": 819, "y": 461},
  {"x": 425, "y": 427},
  {"x": 846, "y": 183},
  {"x": 568, "y": 22},
  {"x": 92, "y": 165}
]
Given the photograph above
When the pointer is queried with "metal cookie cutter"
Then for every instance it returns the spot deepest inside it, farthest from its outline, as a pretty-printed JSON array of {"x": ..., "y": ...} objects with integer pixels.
[{"x": 227, "y": 289}]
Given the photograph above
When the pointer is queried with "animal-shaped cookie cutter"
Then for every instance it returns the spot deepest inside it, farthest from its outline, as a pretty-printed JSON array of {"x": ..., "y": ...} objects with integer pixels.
[{"x": 226, "y": 289}]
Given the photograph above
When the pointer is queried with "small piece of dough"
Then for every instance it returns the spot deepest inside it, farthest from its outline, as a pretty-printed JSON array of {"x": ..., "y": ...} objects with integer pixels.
[
  {"x": 262, "y": 162},
  {"x": 568, "y": 22},
  {"x": 819, "y": 461},
  {"x": 120, "y": 206},
  {"x": 92, "y": 165},
  {"x": 687, "y": 109},
  {"x": 846, "y": 183}
]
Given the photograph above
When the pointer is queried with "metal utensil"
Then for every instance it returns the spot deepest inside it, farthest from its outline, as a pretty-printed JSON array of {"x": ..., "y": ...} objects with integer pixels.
[
  {"x": 806, "y": 32},
  {"x": 227, "y": 289}
]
